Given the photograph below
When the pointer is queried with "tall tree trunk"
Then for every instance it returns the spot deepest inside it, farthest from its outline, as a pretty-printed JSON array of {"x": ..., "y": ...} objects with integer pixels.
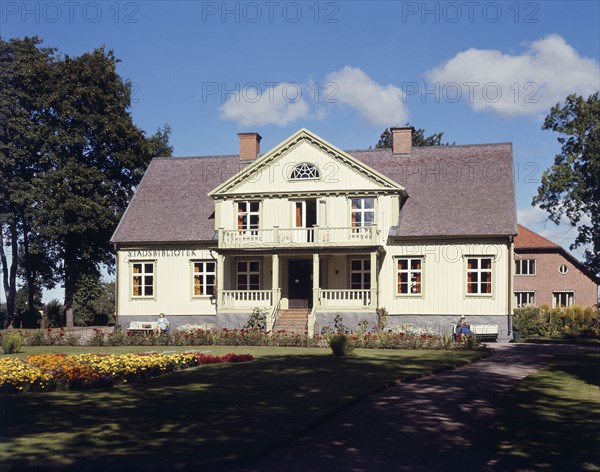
[
  {"x": 29, "y": 272},
  {"x": 70, "y": 278},
  {"x": 9, "y": 275}
]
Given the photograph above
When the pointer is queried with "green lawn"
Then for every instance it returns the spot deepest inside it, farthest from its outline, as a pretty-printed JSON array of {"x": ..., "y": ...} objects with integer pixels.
[
  {"x": 205, "y": 418},
  {"x": 550, "y": 421}
]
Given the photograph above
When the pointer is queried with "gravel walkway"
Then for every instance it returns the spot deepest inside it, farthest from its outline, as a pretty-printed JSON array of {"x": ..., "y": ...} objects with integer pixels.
[{"x": 437, "y": 423}]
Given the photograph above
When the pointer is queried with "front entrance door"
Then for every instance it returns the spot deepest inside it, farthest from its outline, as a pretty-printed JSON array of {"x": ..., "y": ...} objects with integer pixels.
[{"x": 300, "y": 284}]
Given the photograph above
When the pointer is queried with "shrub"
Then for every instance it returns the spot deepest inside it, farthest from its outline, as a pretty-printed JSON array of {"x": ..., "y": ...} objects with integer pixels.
[
  {"x": 382, "y": 319},
  {"x": 257, "y": 320},
  {"x": 340, "y": 345},
  {"x": 11, "y": 342}
]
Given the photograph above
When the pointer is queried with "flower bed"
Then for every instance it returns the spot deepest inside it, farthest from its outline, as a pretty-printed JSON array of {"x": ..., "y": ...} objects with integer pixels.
[
  {"x": 47, "y": 372},
  {"x": 398, "y": 337}
]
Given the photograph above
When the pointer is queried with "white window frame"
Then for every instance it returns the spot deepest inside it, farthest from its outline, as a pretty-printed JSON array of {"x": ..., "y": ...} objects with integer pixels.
[
  {"x": 570, "y": 294},
  {"x": 530, "y": 266},
  {"x": 143, "y": 274},
  {"x": 521, "y": 294},
  {"x": 247, "y": 273},
  {"x": 247, "y": 227},
  {"x": 411, "y": 275},
  {"x": 363, "y": 271},
  {"x": 203, "y": 274},
  {"x": 566, "y": 269},
  {"x": 479, "y": 271},
  {"x": 305, "y": 171},
  {"x": 361, "y": 211}
]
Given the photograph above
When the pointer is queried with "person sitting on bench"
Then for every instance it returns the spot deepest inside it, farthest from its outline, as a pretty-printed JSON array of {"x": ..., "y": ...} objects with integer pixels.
[
  {"x": 162, "y": 324},
  {"x": 463, "y": 328}
]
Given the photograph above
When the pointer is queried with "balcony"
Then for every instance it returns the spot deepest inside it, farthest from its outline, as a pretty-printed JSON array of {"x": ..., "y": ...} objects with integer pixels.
[{"x": 298, "y": 237}]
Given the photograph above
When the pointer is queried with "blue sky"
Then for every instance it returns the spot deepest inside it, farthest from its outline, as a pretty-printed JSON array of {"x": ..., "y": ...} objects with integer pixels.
[{"x": 478, "y": 71}]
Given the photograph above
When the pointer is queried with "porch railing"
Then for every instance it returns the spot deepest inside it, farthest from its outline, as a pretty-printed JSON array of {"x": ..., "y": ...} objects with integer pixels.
[
  {"x": 315, "y": 236},
  {"x": 246, "y": 298},
  {"x": 344, "y": 298}
]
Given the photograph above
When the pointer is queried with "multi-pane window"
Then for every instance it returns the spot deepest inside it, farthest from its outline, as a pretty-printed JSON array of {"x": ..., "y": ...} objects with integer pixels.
[
  {"x": 248, "y": 215},
  {"x": 524, "y": 298},
  {"x": 363, "y": 212},
  {"x": 479, "y": 275},
  {"x": 142, "y": 282},
  {"x": 563, "y": 299},
  {"x": 563, "y": 269},
  {"x": 248, "y": 275},
  {"x": 409, "y": 271},
  {"x": 525, "y": 267},
  {"x": 204, "y": 278},
  {"x": 305, "y": 171},
  {"x": 360, "y": 274}
]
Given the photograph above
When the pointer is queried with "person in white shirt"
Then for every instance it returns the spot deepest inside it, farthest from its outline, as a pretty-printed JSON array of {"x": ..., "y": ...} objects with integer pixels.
[{"x": 163, "y": 324}]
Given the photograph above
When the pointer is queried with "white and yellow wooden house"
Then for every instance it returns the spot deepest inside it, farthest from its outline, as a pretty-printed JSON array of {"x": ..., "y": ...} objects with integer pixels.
[{"x": 307, "y": 231}]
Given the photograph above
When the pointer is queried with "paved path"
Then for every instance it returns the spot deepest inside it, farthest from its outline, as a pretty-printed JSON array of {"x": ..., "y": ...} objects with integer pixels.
[{"x": 426, "y": 425}]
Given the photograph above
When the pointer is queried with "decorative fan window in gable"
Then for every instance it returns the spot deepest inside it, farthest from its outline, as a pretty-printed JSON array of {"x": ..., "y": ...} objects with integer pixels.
[{"x": 305, "y": 171}]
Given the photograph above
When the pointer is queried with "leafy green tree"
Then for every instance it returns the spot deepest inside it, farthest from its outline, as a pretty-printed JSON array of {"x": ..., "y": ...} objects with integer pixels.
[
  {"x": 70, "y": 159},
  {"x": 571, "y": 187},
  {"x": 25, "y": 79},
  {"x": 94, "y": 301},
  {"x": 418, "y": 138}
]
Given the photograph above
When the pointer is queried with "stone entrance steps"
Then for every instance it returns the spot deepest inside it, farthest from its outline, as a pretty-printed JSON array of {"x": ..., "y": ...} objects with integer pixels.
[{"x": 292, "y": 321}]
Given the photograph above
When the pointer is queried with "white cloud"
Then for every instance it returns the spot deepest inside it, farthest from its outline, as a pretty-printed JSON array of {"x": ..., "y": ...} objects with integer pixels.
[
  {"x": 280, "y": 105},
  {"x": 530, "y": 83},
  {"x": 285, "y": 103},
  {"x": 379, "y": 105}
]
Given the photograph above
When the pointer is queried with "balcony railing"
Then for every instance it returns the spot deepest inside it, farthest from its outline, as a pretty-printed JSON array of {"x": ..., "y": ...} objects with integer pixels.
[
  {"x": 297, "y": 237},
  {"x": 344, "y": 298},
  {"x": 326, "y": 298},
  {"x": 245, "y": 298}
]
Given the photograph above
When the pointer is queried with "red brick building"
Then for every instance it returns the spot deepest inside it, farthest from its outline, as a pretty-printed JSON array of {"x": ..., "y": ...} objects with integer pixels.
[{"x": 547, "y": 274}]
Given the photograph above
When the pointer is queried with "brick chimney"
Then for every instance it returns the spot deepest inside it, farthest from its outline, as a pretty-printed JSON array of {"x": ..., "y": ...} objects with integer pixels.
[
  {"x": 402, "y": 140},
  {"x": 249, "y": 146}
]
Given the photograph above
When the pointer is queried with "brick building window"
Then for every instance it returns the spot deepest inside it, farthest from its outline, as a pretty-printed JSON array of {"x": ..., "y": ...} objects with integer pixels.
[
  {"x": 524, "y": 298},
  {"x": 525, "y": 267},
  {"x": 563, "y": 299}
]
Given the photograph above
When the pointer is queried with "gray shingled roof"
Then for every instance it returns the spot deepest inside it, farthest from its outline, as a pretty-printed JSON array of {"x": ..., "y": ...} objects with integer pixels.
[{"x": 454, "y": 191}]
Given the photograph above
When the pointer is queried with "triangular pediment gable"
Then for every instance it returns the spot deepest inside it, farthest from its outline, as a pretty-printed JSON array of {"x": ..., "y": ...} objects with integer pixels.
[{"x": 338, "y": 171}]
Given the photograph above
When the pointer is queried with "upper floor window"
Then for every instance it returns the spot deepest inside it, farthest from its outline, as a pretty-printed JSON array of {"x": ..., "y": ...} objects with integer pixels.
[
  {"x": 525, "y": 267},
  {"x": 248, "y": 215},
  {"x": 305, "y": 171},
  {"x": 563, "y": 269},
  {"x": 204, "y": 278},
  {"x": 409, "y": 275},
  {"x": 363, "y": 212},
  {"x": 479, "y": 275},
  {"x": 142, "y": 281}
]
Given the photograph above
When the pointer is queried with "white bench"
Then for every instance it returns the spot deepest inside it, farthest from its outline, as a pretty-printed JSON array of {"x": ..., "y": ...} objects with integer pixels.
[
  {"x": 486, "y": 332},
  {"x": 142, "y": 327}
]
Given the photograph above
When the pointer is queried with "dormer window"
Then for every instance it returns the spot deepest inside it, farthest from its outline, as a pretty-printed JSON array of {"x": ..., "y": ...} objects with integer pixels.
[{"x": 304, "y": 171}]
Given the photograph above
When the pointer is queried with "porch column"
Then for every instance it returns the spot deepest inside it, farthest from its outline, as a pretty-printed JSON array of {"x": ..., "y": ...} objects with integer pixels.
[
  {"x": 275, "y": 279},
  {"x": 315, "y": 279},
  {"x": 374, "y": 288},
  {"x": 220, "y": 279}
]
